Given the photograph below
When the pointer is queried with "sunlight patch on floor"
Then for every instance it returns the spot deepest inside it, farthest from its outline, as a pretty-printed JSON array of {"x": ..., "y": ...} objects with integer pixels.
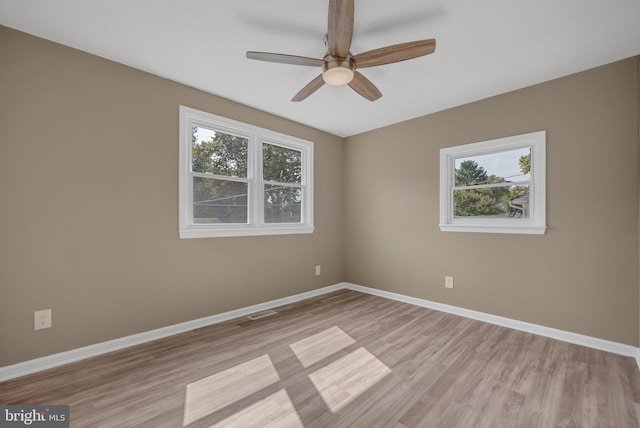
[
  {"x": 275, "y": 411},
  {"x": 214, "y": 392},
  {"x": 345, "y": 379},
  {"x": 319, "y": 346}
]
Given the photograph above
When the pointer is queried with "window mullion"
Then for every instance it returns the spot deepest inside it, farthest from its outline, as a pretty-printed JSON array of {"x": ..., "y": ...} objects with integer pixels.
[{"x": 259, "y": 183}]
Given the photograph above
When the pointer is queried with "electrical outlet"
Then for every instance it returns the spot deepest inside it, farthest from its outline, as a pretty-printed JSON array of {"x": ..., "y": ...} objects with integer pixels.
[
  {"x": 448, "y": 282},
  {"x": 42, "y": 319},
  {"x": 317, "y": 270}
]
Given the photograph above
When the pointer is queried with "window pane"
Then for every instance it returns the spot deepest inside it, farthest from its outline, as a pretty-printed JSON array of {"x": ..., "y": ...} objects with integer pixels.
[
  {"x": 219, "y": 201},
  {"x": 502, "y": 167},
  {"x": 282, "y": 204},
  {"x": 281, "y": 164},
  {"x": 218, "y": 153},
  {"x": 494, "y": 202}
]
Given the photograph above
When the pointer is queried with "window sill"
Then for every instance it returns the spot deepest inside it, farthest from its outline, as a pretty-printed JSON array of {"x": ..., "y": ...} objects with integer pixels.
[
  {"x": 195, "y": 232},
  {"x": 522, "y": 229}
]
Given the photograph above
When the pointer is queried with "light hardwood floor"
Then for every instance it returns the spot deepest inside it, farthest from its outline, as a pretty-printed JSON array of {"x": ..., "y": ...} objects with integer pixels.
[{"x": 344, "y": 359}]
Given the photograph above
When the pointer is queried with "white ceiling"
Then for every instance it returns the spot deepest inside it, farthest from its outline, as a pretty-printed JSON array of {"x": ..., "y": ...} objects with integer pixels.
[{"x": 484, "y": 48}]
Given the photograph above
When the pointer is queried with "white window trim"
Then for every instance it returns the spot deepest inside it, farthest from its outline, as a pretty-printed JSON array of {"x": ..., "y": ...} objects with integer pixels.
[
  {"x": 536, "y": 224},
  {"x": 256, "y": 136}
]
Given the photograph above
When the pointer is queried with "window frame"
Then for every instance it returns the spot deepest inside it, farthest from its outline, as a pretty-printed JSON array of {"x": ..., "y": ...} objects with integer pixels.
[
  {"x": 536, "y": 224},
  {"x": 256, "y": 136}
]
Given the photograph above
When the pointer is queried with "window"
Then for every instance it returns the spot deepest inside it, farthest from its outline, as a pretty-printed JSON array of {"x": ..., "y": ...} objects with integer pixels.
[
  {"x": 238, "y": 180},
  {"x": 495, "y": 186}
]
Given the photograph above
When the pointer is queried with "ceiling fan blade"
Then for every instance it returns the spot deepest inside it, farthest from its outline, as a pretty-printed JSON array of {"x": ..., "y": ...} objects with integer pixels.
[
  {"x": 364, "y": 87},
  {"x": 285, "y": 59},
  {"x": 311, "y": 87},
  {"x": 340, "y": 27},
  {"x": 395, "y": 53}
]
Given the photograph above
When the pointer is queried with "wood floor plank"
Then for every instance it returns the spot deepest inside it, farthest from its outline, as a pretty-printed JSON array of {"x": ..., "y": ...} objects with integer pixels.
[{"x": 344, "y": 359}]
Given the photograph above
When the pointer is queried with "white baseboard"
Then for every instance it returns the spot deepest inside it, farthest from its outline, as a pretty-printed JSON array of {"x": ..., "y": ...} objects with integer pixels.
[
  {"x": 565, "y": 336},
  {"x": 59, "y": 359},
  {"x": 55, "y": 360}
]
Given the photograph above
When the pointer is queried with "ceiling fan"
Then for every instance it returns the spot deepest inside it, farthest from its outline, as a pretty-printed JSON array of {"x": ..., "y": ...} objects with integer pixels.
[{"x": 339, "y": 66}]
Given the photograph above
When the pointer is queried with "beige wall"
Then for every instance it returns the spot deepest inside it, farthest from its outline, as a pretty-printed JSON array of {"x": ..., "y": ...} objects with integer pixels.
[
  {"x": 89, "y": 206},
  {"x": 581, "y": 276}
]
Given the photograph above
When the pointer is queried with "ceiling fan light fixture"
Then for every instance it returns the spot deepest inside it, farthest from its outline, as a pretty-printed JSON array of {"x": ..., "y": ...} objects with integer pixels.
[
  {"x": 337, "y": 72},
  {"x": 337, "y": 76}
]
